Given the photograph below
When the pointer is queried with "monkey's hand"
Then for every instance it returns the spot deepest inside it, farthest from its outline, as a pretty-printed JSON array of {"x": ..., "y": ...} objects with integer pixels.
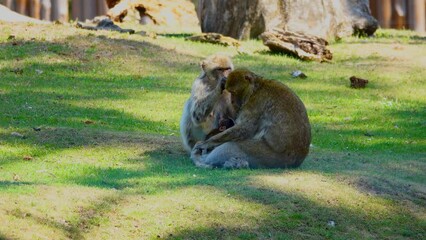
[
  {"x": 198, "y": 155},
  {"x": 203, "y": 148}
]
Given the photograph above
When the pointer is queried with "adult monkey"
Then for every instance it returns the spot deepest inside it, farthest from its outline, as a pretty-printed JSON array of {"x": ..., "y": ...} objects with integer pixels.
[
  {"x": 271, "y": 130},
  {"x": 208, "y": 106}
]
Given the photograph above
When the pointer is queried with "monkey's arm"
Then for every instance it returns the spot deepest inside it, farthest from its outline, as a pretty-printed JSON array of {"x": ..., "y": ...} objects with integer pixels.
[
  {"x": 246, "y": 127},
  {"x": 203, "y": 102}
]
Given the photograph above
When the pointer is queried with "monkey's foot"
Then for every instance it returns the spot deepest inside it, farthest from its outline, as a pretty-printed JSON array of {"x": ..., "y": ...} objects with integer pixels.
[
  {"x": 236, "y": 163},
  {"x": 203, "y": 165},
  {"x": 197, "y": 158}
]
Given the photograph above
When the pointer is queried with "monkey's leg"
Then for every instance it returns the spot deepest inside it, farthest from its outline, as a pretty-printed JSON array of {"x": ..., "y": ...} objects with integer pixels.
[
  {"x": 227, "y": 155},
  {"x": 198, "y": 157},
  {"x": 249, "y": 153},
  {"x": 261, "y": 155}
]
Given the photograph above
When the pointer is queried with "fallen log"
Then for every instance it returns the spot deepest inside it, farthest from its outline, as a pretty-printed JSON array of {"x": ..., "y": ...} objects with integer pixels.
[
  {"x": 105, "y": 24},
  {"x": 214, "y": 38},
  {"x": 305, "y": 47}
]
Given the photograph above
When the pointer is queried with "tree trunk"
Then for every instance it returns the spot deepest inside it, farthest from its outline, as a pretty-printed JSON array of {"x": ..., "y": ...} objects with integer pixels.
[
  {"x": 89, "y": 10},
  {"x": 9, "y": 4},
  {"x": 35, "y": 8},
  {"x": 417, "y": 15},
  {"x": 234, "y": 18},
  {"x": 60, "y": 10},
  {"x": 385, "y": 13},
  {"x": 102, "y": 7},
  {"x": 46, "y": 10},
  {"x": 400, "y": 10},
  {"x": 244, "y": 19},
  {"x": 76, "y": 7},
  {"x": 21, "y": 6}
]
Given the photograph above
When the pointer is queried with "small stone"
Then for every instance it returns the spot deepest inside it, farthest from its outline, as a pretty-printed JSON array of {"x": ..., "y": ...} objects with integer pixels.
[
  {"x": 298, "y": 74},
  {"x": 17, "y": 71},
  {"x": 16, "y": 177},
  {"x": 16, "y": 134},
  {"x": 358, "y": 82},
  {"x": 368, "y": 134}
]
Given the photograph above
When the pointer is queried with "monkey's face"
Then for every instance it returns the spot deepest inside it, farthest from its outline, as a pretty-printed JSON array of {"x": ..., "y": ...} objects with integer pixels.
[
  {"x": 217, "y": 69},
  {"x": 239, "y": 85},
  {"x": 222, "y": 75},
  {"x": 219, "y": 75}
]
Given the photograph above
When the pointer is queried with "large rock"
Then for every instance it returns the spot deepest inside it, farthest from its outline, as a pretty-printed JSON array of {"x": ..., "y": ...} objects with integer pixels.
[
  {"x": 249, "y": 18},
  {"x": 161, "y": 12}
]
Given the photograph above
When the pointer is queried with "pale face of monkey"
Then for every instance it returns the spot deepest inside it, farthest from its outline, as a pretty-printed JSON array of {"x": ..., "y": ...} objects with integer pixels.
[
  {"x": 222, "y": 75},
  {"x": 217, "y": 68}
]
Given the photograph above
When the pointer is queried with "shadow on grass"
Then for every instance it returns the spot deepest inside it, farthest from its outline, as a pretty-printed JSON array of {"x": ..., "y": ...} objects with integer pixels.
[
  {"x": 399, "y": 134},
  {"x": 27, "y": 109},
  {"x": 295, "y": 216},
  {"x": 9, "y": 184},
  {"x": 4, "y": 237},
  {"x": 74, "y": 229},
  {"x": 280, "y": 54}
]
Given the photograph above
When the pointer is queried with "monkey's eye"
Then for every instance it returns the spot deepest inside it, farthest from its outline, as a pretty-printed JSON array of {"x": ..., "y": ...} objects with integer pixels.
[{"x": 223, "y": 69}]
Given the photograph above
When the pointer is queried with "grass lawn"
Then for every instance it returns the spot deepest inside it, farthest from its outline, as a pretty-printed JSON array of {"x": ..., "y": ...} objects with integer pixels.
[{"x": 90, "y": 147}]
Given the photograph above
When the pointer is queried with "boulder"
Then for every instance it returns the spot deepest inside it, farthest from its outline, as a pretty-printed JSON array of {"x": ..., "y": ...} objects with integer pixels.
[
  {"x": 160, "y": 12},
  {"x": 248, "y": 19}
]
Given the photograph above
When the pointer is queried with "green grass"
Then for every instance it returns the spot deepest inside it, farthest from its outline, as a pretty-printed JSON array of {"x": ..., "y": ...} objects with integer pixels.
[{"x": 107, "y": 162}]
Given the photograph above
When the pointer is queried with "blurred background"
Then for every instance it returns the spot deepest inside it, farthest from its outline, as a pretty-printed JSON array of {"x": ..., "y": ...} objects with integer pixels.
[{"x": 398, "y": 14}]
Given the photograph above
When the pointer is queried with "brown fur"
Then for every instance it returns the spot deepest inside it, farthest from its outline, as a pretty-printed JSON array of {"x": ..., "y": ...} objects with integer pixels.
[{"x": 271, "y": 129}]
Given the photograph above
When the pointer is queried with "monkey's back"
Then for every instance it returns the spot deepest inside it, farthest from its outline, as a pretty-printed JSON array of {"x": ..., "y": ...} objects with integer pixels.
[{"x": 284, "y": 118}]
